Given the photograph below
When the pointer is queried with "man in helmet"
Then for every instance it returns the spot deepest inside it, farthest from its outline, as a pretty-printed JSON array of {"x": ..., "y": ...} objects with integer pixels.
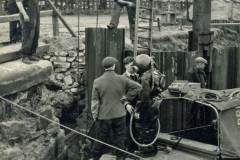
[
  {"x": 198, "y": 74},
  {"x": 148, "y": 107},
  {"x": 109, "y": 106},
  {"x": 131, "y": 9}
]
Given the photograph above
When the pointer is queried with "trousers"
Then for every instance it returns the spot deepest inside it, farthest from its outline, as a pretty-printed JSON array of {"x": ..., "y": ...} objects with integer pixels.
[
  {"x": 14, "y": 27},
  {"x": 30, "y": 30},
  {"x": 117, "y": 8},
  {"x": 118, "y": 128}
]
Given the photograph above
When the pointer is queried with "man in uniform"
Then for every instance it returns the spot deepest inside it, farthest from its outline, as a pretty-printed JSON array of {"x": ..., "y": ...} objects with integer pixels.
[
  {"x": 109, "y": 106},
  {"x": 198, "y": 75},
  {"x": 131, "y": 9},
  {"x": 30, "y": 30}
]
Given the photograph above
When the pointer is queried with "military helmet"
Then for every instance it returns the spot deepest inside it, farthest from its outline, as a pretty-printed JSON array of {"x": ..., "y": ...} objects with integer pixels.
[{"x": 143, "y": 62}]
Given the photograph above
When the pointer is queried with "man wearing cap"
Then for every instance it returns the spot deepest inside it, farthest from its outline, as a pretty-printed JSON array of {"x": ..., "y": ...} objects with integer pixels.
[
  {"x": 111, "y": 95},
  {"x": 131, "y": 9},
  {"x": 130, "y": 70},
  {"x": 198, "y": 74},
  {"x": 130, "y": 73}
]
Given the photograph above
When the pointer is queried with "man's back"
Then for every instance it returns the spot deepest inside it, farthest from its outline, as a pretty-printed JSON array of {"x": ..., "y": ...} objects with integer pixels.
[{"x": 111, "y": 88}]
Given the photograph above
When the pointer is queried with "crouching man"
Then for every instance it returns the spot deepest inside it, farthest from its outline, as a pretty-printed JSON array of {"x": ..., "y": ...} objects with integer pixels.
[{"x": 108, "y": 107}]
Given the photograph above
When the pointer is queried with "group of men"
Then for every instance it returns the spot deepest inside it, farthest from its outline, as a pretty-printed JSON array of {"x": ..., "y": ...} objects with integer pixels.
[
  {"x": 114, "y": 98},
  {"x": 27, "y": 29}
]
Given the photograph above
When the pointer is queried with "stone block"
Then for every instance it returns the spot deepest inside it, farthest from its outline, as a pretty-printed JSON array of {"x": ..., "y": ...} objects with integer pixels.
[
  {"x": 72, "y": 53},
  {"x": 70, "y": 59},
  {"x": 60, "y": 59},
  {"x": 16, "y": 76},
  {"x": 59, "y": 76},
  {"x": 47, "y": 57},
  {"x": 60, "y": 70},
  {"x": 62, "y": 64},
  {"x": 68, "y": 80},
  {"x": 13, "y": 129},
  {"x": 63, "y": 53}
]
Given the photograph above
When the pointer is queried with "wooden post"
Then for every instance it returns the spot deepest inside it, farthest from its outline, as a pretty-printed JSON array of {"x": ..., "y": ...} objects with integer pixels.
[
  {"x": 201, "y": 22},
  {"x": 100, "y": 43},
  {"x": 55, "y": 24}
]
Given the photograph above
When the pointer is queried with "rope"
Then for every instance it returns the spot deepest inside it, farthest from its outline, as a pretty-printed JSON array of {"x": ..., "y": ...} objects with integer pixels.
[{"x": 70, "y": 129}]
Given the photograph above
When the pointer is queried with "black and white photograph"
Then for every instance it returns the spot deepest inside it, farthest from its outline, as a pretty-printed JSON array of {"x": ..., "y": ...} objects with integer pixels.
[{"x": 119, "y": 79}]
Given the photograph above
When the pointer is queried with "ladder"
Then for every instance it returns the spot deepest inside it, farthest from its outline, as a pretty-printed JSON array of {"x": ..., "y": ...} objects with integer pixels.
[{"x": 144, "y": 11}]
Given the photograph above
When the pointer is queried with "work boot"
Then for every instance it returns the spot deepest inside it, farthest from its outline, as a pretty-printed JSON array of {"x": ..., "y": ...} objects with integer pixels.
[
  {"x": 111, "y": 26},
  {"x": 26, "y": 60},
  {"x": 34, "y": 58}
]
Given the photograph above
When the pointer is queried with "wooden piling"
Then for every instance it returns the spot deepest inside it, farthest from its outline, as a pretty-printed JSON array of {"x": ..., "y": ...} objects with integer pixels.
[
  {"x": 100, "y": 43},
  {"x": 55, "y": 24}
]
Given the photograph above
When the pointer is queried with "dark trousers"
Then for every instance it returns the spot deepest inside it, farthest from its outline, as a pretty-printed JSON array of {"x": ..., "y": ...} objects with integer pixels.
[
  {"x": 14, "y": 27},
  {"x": 30, "y": 30},
  {"x": 131, "y": 17},
  {"x": 118, "y": 128}
]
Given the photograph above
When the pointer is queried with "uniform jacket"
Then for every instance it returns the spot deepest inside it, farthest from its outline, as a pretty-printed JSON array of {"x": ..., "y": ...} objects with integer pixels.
[{"x": 108, "y": 90}]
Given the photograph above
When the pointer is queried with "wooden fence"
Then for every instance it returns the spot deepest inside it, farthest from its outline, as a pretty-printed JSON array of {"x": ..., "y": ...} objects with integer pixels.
[{"x": 92, "y": 6}]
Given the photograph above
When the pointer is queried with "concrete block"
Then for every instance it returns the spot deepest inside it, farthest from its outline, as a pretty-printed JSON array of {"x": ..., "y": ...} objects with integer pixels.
[{"x": 16, "y": 76}]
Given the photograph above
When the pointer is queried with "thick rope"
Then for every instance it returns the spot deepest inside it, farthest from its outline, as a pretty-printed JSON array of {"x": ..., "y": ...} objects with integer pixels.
[{"x": 70, "y": 129}]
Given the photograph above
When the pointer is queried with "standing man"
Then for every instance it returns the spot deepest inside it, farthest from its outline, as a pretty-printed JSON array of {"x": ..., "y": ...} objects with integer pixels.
[
  {"x": 198, "y": 74},
  {"x": 131, "y": 9},
  {"x": 108, "y": 108},
  {"x": 14, "y": 27},
  {"x": 130, "y": 73},
  {"x": 30, "y": 29}
]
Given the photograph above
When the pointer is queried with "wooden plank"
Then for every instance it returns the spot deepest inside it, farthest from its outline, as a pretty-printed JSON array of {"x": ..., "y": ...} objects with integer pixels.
[
  {"x": 219, "y": 69},
  {"x": 11, "y": 52},
  {"x": 16, "y": 17},
  {"x": 238, "y": 67}
]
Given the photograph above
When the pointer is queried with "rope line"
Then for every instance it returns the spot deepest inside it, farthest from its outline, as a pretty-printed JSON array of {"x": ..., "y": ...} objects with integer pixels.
[{"x": 70, "y": 129}]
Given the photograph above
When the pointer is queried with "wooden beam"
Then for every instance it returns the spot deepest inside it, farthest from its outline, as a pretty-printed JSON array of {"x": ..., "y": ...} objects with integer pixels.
[
  {"x": 16, "y": 17},
  {"x": 61, "y": 18}
]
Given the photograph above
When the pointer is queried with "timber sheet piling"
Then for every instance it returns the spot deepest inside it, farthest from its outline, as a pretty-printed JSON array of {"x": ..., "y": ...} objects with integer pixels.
[{"x": 100, "y": 43}]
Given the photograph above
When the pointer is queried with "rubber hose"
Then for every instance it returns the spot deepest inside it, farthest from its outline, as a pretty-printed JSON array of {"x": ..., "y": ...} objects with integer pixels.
[{"x": 133, "y": 138}]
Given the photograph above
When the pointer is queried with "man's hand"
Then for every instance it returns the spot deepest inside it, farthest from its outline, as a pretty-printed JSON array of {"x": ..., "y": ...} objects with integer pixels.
[{"x": 129, "y": 108}]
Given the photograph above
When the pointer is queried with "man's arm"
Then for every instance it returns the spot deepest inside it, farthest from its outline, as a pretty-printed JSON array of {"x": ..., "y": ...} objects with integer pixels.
[
  {"x": 95, "y": 102},
  {"x": 132, "y": 89},
  {"x": 22, "y": 10}
]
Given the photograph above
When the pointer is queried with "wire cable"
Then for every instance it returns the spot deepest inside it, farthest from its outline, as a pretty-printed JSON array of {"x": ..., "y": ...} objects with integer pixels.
[{"x": 70, "y": 129}]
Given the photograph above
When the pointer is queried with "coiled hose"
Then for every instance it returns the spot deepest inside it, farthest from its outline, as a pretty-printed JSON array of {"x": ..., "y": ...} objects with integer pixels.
[{"x": 134, "y": 139}]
